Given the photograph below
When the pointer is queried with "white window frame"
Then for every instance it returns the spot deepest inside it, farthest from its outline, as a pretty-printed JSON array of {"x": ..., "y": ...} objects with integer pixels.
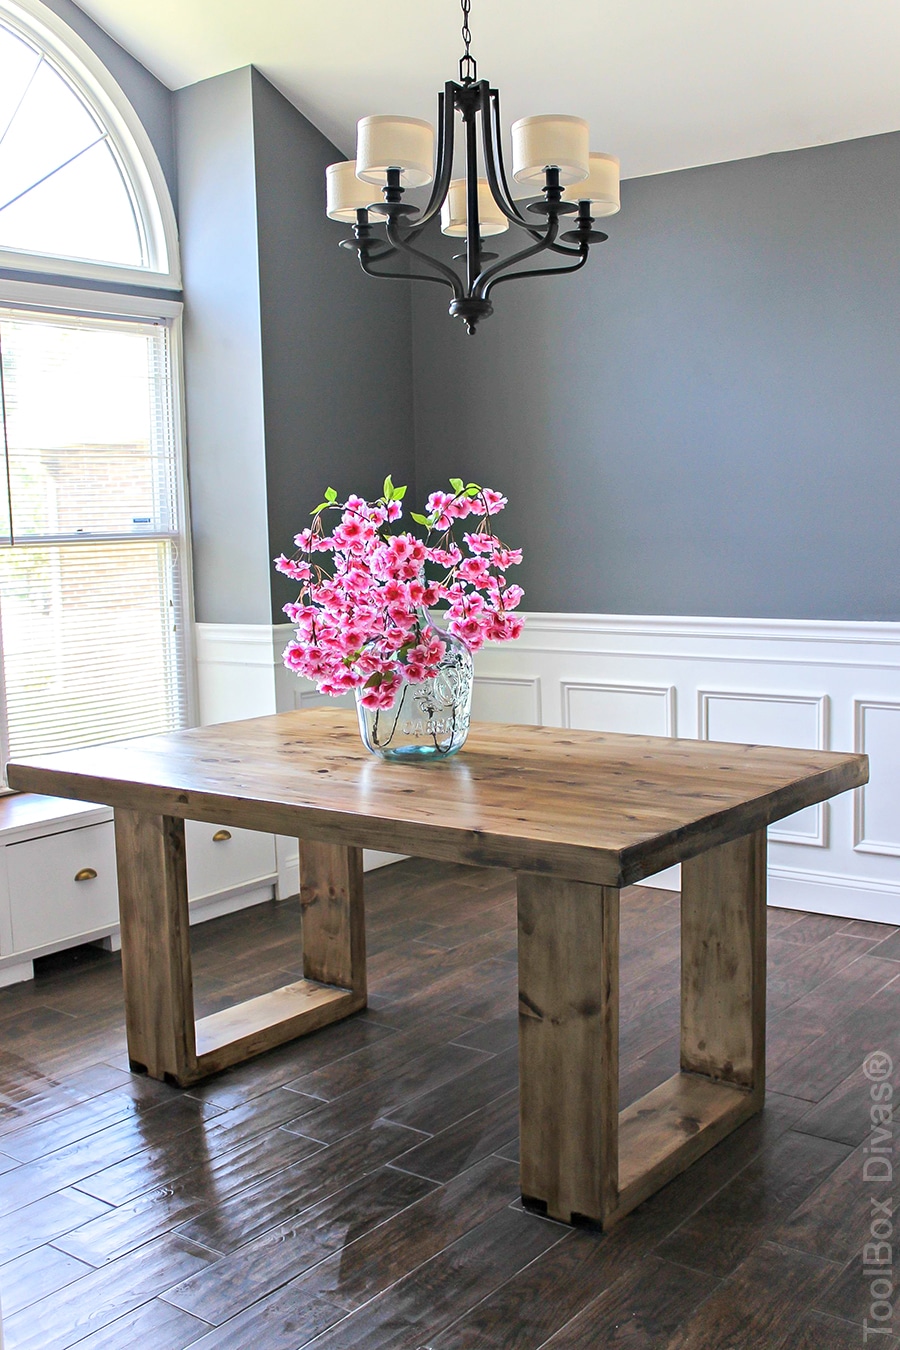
[
  {"x": 43, "y": 298},
  {"x": 143, "y": 173},
  {"x": 62, "y": 294}
]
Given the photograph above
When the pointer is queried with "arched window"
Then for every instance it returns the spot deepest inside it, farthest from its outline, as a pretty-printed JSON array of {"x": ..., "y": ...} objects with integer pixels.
[
  {"x": 81, "y": 189},
  {"x": 95, "y": 604}
]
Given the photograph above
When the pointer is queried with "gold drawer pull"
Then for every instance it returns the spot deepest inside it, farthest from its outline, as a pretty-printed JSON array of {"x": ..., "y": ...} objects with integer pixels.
[
  {"x": 220, "y": 836},
  {"x": 86, "y": 874}
]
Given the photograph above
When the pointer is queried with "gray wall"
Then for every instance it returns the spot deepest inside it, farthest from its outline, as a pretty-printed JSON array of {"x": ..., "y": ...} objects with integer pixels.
[
  {"x": 298, "y": 368},
  {"x": 703, "y": 421},
  {"x": 336, "y": 359},
  {"x": 706, "y": 420},
  {"x": 223, "y": 345}
]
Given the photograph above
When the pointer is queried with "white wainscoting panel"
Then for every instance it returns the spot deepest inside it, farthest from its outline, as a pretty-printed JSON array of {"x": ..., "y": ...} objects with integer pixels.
[
  {"x": 236, "y": 665},
  {"x": 495, "y": 699},
  {"x": 633, "y": 709},
  {"x": 773, "y": 719},
  {"x": 877, "y": 824},
  {"x": 807, "y": 682}
]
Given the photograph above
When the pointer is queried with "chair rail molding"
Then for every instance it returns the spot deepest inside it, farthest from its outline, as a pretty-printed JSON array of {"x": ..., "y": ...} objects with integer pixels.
[{"x": 815, "y": 683}]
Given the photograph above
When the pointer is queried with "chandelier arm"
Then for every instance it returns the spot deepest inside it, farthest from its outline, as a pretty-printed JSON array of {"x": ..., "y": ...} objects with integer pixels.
[
  {"x": 566, "y": 252},
  {"x": 400, "y": 276},
  {"x": 473, "y": 225},
  {"x": 444, "y": 158},
  {"x": 493, "y": 160},
  {"x": 496, "y": 173},
  {"x": 447, "y": 273},
  {"x": 483, "y": 282},
  {"x": 538, "y": 272}
]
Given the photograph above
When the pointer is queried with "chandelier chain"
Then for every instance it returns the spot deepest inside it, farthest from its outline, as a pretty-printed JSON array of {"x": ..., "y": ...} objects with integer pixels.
[{"x": 468, "y": 69}]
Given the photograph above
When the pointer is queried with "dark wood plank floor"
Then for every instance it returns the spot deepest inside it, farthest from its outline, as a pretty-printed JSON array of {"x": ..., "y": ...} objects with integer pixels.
[{"x": 360, "y": 1188}]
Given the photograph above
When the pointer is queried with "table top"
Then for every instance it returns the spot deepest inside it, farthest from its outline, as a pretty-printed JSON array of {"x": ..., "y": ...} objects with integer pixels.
[{"x": 591, "y": 806}]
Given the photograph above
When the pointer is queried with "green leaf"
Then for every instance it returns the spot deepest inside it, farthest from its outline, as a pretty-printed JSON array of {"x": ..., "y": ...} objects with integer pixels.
[
  {"x": 374, "y": 680},
  {"x": 456, "y": 484},
  {"x": 330, "y": 495},
  {"x": 473, "y": 490},
  {"x": 321, "y": 507},
  {"x": 399, "y": 493},
  {"x": 420, "y": 520},
  {"x": 388, "y": 489}
]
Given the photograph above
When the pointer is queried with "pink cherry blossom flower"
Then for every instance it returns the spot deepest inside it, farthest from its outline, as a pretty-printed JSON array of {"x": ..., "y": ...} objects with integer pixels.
[
  {"x": 475, "y": 571},
  {"x": 511, "y": 597},
  {"x": 360, "y": 617},
  {"x": 479, "y": 543},
  {"x": 438, "y": 505},
  {"x": 471, "y": 630},
  {"x": 298, "y": 571}
]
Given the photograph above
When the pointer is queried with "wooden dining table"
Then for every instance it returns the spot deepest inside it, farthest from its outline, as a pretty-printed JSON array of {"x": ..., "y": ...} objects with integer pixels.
[{"x": 577, "y": 815}]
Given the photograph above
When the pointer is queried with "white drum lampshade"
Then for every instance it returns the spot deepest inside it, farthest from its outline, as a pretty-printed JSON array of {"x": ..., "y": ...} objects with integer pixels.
[
  {"x": 345, "y": 194},
  {"x": 491, "y": 219},
  {"x": 600, "y": 188},
  {"x": 551, "y": 142},
  {"x": 387, "y": 142}
]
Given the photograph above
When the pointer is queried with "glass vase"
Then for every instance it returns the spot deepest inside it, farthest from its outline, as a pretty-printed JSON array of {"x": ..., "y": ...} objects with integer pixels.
[{"x": 428, "y": 719}]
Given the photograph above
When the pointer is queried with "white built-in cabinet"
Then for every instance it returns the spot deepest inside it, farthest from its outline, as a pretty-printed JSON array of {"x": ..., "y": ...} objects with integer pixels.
[{"x": 58, "y": 876}]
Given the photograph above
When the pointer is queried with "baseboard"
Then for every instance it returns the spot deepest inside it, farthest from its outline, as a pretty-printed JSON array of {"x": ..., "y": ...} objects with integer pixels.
[
  {"x": 373, "y": 858},
  {"x": 842, "y": 896}
]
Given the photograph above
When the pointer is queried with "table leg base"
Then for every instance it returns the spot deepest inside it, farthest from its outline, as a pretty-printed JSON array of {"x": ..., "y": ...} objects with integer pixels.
[
  {"x": 248, "y": 1029},
  {"x": 666, "y": 1131},
  {"x": 660, "y": 1136}
]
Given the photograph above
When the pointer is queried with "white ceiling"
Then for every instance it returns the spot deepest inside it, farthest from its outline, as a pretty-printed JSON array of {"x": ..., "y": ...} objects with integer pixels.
[{"x": 664, "y": 84}]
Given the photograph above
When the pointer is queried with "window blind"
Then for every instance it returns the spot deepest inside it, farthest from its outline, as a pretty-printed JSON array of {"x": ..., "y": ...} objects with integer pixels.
[{"x": 91, "y": 609}]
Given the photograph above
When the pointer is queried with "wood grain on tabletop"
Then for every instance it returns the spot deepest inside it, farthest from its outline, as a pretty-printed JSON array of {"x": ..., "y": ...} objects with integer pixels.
[{"x": 591, "y": 806}]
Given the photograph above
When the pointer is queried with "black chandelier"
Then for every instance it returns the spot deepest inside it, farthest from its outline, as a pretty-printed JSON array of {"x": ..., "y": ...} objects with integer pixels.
[{"x": 550, "y": 155}]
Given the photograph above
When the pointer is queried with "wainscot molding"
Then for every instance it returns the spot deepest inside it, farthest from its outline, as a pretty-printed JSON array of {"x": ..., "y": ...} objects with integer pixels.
[
  {"x": 876, "y": 825},
  {"x": 814, "y": 683},
  {"x": 800, "y": 720},
  {"x": 596, "y": 705},
  {"x": 507, "y": 698}
]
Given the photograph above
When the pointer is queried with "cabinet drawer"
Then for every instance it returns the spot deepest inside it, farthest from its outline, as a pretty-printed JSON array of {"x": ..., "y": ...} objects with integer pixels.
[
  {"x": 47, "y": 904},
  {"x": 235, "y": 858}
]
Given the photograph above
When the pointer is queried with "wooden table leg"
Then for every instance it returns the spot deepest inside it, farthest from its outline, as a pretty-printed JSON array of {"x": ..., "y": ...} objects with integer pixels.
[
  {"x": 723, "y": 964},
  {"x": 568, "y": 1046},
  {"x": 580, "y": 1157},
  {"x": 163, "y": 1038},
  {"x": 334, "y": 967},
  {"x": 723, "y": 1011},
  {"x": 334, "y": 920},
  {"x": 156, "y": 956}
]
